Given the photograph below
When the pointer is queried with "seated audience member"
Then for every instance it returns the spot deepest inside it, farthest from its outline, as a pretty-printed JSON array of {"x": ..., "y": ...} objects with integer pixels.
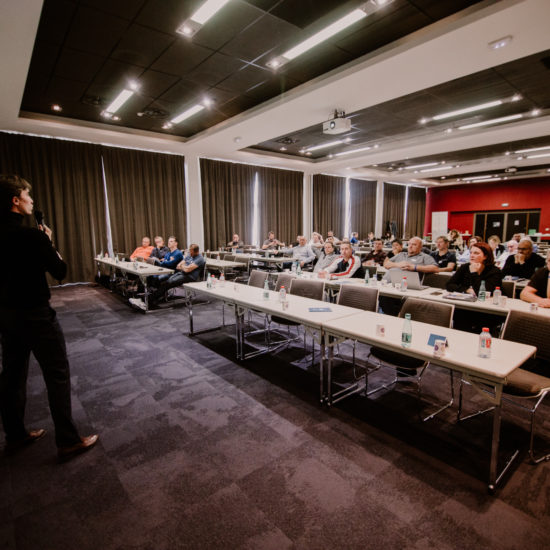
[
  {"x": 511, "y": 249},
  {"x": 330, "y": 234},
  {"x": 344, "y": 266},
  {"x": 370, "y": 237},
  {"x": 235, "y": 242},
  {"x": 326, "y": 258},
  {"x": 412, "y": 260},
  {"x": 455, "y": 240},
  {"x": 377, "y": 255},
  {"x": 354, "y": 238},
  {"x": 396, "y": 248},
  {"x": 188, "y": 270},
  {"x": 160, "y": 249},
  {"x": 517, "y": 237},
  {"x": 271, "y": 242},
  {"x": 303, "y": 252},
  {"x": 467, "y": 278},
  {"x": 444, "y": 258},
  {"x": 524, "y": 263},
  {"x": 465, "y": 256},
  {"x": 173, "y": 257},
  {"x": 316, "y": 243},
  {"x": 538, "y": 289},
  {"x": 143, "y": 251},
  {"x": 494, "y": 242}
]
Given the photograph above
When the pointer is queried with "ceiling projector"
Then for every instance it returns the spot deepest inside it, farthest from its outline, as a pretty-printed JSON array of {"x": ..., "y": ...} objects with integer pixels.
[{"x": 338, "y": 125}]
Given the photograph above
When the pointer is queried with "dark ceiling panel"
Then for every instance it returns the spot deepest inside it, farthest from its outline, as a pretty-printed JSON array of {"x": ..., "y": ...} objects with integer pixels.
[
  {"x": 259, "y": 38},
  {"x": 234, "y": 18},
  {"x": 55, "y": 20},
  {"x": 166, "y": 16},
  {"x": 437, "y": 9},
  {"x": 116, "y": 74},
  {"x": 303, "y": 13},
  {"x": 185, "y": 91},
  {"x": 181, "y": 57},
  {"x": 246, "y": 78},
  {"x": 154, "y": 83},
  {"x": 95, "y": 32},
  {"x": 44, "y": 58},
  {"x": 265, "y": 5},
  {"x": 61, "y": 89},
  {"x": 214, "y": 69},
  {"x": 276, "y": 85},
  {"x": 141, "y": 46},
  {"x": 125, "y": 9},
  {"x": 75, "y": 65}
]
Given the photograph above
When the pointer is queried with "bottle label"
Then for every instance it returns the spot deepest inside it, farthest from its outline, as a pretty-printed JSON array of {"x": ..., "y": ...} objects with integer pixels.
[{"x": 406, "y": 338}]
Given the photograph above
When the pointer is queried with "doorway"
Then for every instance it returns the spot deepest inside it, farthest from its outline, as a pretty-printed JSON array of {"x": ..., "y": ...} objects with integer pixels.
[{"x": 505, "y": 224}]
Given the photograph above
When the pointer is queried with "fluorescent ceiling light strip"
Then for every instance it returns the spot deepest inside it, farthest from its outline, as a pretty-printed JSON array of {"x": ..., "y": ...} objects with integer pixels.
[
  {"x": 186, "y": 114},
  {"x": 538, "y": 156},
  {"x": 480, "y": 177},
  {"x": 492, "y": 121},
  {"x": 324, "y": 145},
  {"x": 436, "y": 169},
  {"x": 352, "y": 151},
  {"x": 325, "y": 34},
  {"x": 422, "y": 165},
  {"x": 468, "y": 110},
  {"x": 207, "y": 10},
  {"x": 533, "y": 149},
  {"x": 482, "y": 181},
  {"x": 120, "y": 100}
]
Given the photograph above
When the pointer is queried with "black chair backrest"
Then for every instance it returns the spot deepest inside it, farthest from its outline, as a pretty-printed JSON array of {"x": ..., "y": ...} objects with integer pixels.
[
  {"x": 257, "y": 278},
  {"x": 359, "y": 273},
  {"x": 436, "y": 280},
  {"x": 529, "y": 328},
  {"x": 426, "y": 311},
  {"x": 283, "y": 279},
  {"x": 360, "y": 297},
  {"x": 508, "y": 288},
  {"x": 308, "y": 288}
]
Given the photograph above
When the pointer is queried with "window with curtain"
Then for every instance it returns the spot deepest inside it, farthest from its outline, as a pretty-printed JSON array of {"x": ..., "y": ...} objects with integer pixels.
[
  {"x": 146, "y": 194},
  {"x": 394, "y": 208},
  {"x": 281, "y": 203},
  {"x": 362, "y": 206},
  {"x": 227, "y": 201},
  {"x": 67, "y": 186},
  {"x": 416, "y": 212},
  {"x": 329, "y": 204}
]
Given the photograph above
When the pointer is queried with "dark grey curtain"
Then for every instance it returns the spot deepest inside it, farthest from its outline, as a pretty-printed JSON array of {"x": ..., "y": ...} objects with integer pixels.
[
  {"x": 363, "y": 206},
  {"x": 67, "y": 187},
  {"x": 146, "y": 196},
  {"x": 329, "y": 204},
  {"x": 227, "y": 201},
  {"x": 281, "y": 203},
  {"x": 416, "y": 212},
  {"x": 394, "y": 207}
]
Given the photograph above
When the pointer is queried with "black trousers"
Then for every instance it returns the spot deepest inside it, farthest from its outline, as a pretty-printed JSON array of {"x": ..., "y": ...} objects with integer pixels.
[{"x": 36, "y": 330}]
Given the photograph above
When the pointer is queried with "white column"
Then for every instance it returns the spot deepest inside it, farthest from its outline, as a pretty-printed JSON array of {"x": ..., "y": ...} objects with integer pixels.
[
  {"x": 379, "y": 223},
  {"x": 308, "y": 205},
  {"x": 193, "y": 195}
]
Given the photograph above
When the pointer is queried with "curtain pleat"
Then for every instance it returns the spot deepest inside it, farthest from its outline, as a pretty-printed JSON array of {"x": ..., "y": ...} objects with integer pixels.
[
  {"x": 394, "y": 207},
  {"x": 281, "y": 203},
  {"x": 363, "y": 206},
  {"x": 329, "y": 204},
  {"x": 146, "y": 196},
  {"x": 416, "y": 212},
  {"x": 227, "y": 201},
  {"x": 67, "y": 187}
]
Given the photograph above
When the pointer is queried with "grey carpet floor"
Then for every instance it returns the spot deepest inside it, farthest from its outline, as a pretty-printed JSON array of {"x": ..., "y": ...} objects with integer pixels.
[{"x": 198, "y": 451}]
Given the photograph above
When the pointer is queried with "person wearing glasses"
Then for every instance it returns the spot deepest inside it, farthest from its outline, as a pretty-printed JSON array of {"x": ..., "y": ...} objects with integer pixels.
[
  {"x": 524, "y": 263},
  {"x": 538, "y": 289}
]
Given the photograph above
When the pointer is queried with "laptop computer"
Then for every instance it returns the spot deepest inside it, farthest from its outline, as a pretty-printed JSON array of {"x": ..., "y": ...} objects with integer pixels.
[{"x": 413, "y": 279}]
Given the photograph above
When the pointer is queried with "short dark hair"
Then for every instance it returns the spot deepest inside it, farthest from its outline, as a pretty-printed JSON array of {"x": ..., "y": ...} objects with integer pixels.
[
  {"x": 193, "y": 248},
  {"x": 11, "y": 185},
  {"x": 378, "y": 240},
  {"x": 398, "y": 241},
  {"x": 172, "y": 237},
  {"x": 444, "y": 237}
]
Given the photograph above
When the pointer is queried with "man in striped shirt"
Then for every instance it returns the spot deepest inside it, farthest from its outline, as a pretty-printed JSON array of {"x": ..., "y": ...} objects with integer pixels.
[{"x": 345, "y": 265}]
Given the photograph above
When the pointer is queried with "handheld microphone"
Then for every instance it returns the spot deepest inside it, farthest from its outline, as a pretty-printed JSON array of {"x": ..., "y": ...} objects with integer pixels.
[{"x": 39, "y": 217}]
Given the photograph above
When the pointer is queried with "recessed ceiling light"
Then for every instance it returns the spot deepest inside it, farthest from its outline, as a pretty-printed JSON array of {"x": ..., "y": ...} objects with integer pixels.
[
  {"x": 533, "y": 149},
  {"x": 167, "y": 126},
  {"x": 491, "y": 121},
  {"x": 423, "y": 120},
  {"x": 119, "y": 101},
  {"x": 106, "y": 114},
  {"x": 308, "y": 152},
  {"x": 448, "y": 130},
  {"x": 517, "y": 97},
  {"x": 282, "y": 149},
  {"x": 324, "y": 145},
  {"x": 507, "y": 153},
  {"x": 443, "y": 177},
  {"x": 237, "y": 139},
  {"x": 376, "y": 145},
  {"x": 535, "y": 112},
  {"x": 330, "y": 156},
  {"x": 187, "y": 113},
  {"x": 353, "y": 151},
  {"x": 116, "y": 118},
  {"x": 134, "y": 85},
  {"x": 207, "y": 102},
  {"x": 520, "y": 158},
  {"x": 57, "y": 108},
  {"x": 500, "y": 43},
  {"x": 201, "y": 16}
]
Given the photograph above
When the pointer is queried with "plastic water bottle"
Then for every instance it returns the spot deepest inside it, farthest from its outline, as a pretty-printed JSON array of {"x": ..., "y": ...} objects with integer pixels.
[
  {"x": 406, "y": 334},
  {"x": 265, "y": 294},
  {"x": 496, "y": 296},
  {"x": 293, "y": 268},
  {"x": 298, "y": 269},
  {"x": 282, "y": 295},
  {"x": 222, "y": 279},
  {"x": 404, "y": 284},
  {"x": 208, "y": 280},
  {"x": 481, "y": 293},
  {"x": 367, "y": 276},
  {"x": 485, "y": 343},
  {"x": 214, "y": 280}
]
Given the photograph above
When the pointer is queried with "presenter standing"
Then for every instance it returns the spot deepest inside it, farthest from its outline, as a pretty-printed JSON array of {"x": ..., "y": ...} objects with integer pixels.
[{"x": 28, "y": 324}]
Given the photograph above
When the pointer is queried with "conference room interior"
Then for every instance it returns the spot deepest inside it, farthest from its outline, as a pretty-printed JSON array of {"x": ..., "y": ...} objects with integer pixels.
[{"x": 144, "y": 118}]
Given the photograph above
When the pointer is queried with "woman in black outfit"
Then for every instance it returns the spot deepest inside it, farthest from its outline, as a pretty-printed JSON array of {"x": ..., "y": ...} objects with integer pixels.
[{"x": 467, "y": 278}]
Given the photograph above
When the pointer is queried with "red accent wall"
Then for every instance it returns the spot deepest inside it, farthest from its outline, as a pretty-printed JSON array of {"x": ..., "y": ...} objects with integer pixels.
[{"x": 461, "y": 201}]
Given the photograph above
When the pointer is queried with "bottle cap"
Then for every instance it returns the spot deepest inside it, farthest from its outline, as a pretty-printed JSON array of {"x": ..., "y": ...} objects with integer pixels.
[
  {"x": 485, "y": 329},
  {"x": 497, "y": 288}
]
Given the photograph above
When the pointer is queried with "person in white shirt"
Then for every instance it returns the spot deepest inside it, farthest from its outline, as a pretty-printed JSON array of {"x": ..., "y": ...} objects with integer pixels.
[{"x": 511, "y": 249}]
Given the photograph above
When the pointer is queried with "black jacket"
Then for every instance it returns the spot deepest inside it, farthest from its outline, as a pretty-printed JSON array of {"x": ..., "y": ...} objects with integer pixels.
[{"x": 463, "y": 279}]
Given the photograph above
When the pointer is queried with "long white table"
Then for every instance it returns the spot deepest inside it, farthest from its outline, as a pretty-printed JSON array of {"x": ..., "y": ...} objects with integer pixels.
[{"x": 461, "y": 356}]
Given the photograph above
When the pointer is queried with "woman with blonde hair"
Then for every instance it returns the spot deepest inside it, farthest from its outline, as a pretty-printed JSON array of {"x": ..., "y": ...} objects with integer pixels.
[{"x": 455, "y": 240}]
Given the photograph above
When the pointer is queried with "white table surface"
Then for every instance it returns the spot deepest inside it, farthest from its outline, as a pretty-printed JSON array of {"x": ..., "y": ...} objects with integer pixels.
[{"x": 143, "y": 268}]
